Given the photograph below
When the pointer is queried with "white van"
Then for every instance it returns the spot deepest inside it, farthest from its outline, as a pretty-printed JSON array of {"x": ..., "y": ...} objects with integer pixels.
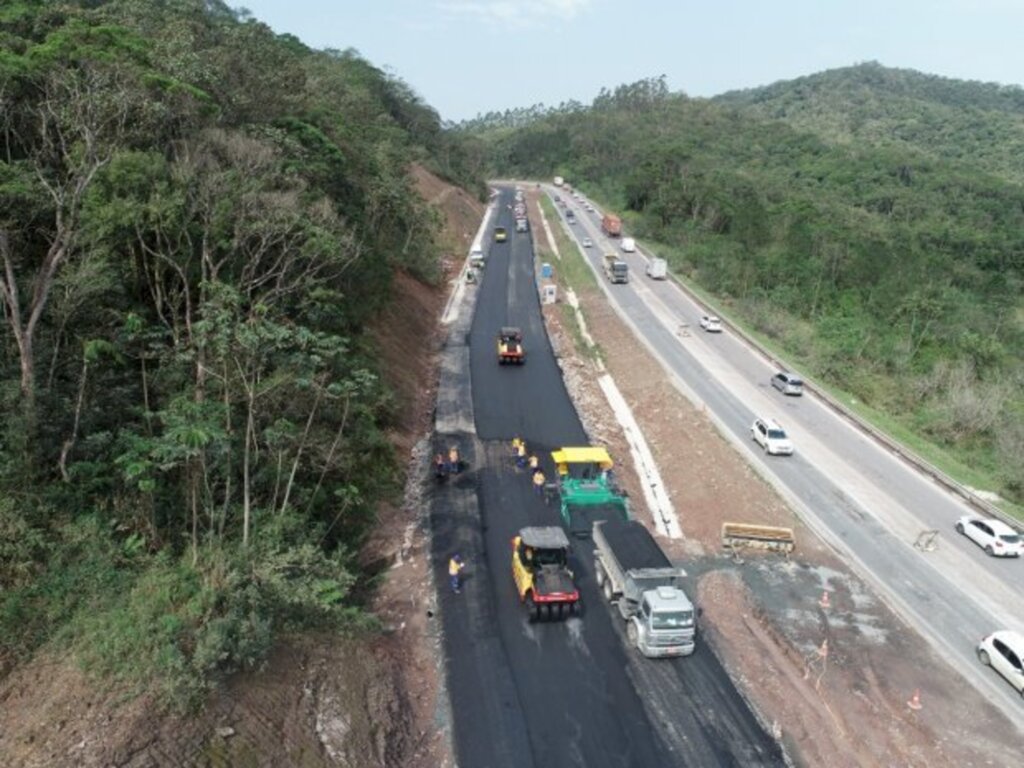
[
  {"x": 476, "y": 258},
  {"x": 628, "y": 245}
]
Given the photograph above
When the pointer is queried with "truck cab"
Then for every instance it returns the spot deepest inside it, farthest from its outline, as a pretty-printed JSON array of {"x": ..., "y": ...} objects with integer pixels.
[
  {"x": 615, "y": 268},
  {"x": 664, "y": 625}
]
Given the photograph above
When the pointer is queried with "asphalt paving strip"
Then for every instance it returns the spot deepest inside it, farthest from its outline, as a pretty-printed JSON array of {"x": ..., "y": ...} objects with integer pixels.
[{"x": 561, "y": 694}]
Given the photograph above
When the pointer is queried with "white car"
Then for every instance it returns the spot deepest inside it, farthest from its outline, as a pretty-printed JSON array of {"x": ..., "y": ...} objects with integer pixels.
[
  {"x": 994, "y": 536},
  {"x": 1004, "y": 652},
  {"x": 772, "y": 437},
  {"x": 587, "y": 242},
  {"x": 710, "y": 323}
]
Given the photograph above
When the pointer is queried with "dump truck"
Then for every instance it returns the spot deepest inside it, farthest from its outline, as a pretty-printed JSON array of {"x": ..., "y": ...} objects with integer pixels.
[
  {"x": 635, "y": 575},
  {"x": 615, "y": 268},
  {"x": 522, "y": 224},
  {"x": 586, "y": 489},
  {"x": 510, "y": 346},
  {"x": 540, "y": 569},
  {"x": 611, "y": 225}
]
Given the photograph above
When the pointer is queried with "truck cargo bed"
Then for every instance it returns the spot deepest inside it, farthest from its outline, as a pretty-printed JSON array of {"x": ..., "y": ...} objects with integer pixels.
[
  {"x": 583, "y": 516},
  {"x": 633, "y": 545}
]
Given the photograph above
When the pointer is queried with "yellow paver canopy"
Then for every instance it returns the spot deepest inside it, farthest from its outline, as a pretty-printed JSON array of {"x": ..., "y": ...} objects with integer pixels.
[{"x": 588, "y": 455}]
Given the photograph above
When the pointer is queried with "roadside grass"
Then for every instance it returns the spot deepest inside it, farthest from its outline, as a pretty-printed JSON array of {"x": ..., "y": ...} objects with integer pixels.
[
  {"x": 571, "y": 273},
  {"x": 961, "y": 466}
]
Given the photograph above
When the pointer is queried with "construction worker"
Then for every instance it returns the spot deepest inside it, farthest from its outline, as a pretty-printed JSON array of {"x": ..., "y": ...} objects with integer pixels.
[
  {"x": 534, "y": 464},
  {"x": 440, "y": 467},
  {"x": 455, "y": 566},
  {"x": 453, "y": 460},
  {"x": 538, "y": 482},
  {"x": 516, "y": 442},
  {"x": 521, "y": 455}
]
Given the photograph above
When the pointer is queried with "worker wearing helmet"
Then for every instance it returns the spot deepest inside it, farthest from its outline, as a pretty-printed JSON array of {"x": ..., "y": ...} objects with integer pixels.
[{"x": 538, "y": 482}]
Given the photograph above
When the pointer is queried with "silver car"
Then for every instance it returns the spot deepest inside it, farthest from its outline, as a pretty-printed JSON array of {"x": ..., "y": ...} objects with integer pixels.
[
  {"x": 787, "y": 383},
  {"x": 772, "y": 437}
]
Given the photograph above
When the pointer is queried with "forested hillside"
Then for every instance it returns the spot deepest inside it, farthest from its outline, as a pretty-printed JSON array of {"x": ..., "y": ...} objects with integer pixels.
[
  {"x": 198, "y": 218},
  {"x": 979, "y": 125},
  {"x": 882, "y": 267}
]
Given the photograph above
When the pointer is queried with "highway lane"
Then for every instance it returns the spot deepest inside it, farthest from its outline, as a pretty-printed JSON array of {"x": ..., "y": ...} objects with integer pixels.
[
  {"x": 849, "y": 488},
  {"x": 567, "y": 694}
]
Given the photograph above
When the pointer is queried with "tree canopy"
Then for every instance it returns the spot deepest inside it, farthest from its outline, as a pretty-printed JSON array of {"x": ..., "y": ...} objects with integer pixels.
[
  {"x": 870, "y": 220},
  {"x": 197, "y": 219}
]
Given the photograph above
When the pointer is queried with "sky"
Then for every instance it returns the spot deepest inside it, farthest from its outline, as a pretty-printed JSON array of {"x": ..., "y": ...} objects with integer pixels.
[{"x": 468, "y": 57}]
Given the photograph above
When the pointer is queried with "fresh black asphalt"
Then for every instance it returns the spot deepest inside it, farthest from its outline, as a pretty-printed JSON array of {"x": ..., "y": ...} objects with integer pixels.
[{"x": 563, "y": 694}]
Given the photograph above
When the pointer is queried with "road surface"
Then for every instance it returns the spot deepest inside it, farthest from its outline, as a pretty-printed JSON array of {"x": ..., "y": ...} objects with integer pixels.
[
  {"x": 569, "y": 694},
  {"x": 851, "y": 490}
]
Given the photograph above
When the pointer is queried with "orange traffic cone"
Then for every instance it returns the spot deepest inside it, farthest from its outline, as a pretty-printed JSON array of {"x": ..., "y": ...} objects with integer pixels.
[
  {"x": 824, "y": 603},
  {"x": 915, "y": 700}
]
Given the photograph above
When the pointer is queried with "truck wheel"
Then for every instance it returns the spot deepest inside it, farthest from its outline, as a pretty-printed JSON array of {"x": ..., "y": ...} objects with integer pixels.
[
  {"x": 632, "y": 634},
  {"x": 609, "y": 593},
  {"x": 559, "y": 611},
  {"x": 599, "y": 574},
  {"x": 574, "y": 608},
  {"x": 545, "y": 612},
  {"x": 532, "y": 609}
]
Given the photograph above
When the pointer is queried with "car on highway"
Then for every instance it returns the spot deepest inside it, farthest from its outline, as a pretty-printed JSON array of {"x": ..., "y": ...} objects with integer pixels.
[
  {"x": 500, "y": 234},
  {"x": 787, "y": 383},
  {"x": 994, "y": 536},
  {"x": 1004, "y": 652},
  {"x": 589, "y": 207},
  {"x": 771, "y": 436},
  {"x": 587, "y": 242},
  {"x": 710, "y": 323}
]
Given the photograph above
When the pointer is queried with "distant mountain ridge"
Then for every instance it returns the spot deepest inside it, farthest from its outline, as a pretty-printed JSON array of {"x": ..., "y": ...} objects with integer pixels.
[{"x": 958, "y": 121}]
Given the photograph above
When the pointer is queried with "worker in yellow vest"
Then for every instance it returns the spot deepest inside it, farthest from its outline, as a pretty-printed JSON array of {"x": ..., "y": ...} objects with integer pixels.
[
  {"x": 455, "y": 566},
  {"x": 521, "y": 456},
  {"x": 534, "y": 464}
]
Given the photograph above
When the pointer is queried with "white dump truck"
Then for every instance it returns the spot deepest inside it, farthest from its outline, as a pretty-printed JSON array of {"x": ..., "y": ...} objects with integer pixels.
[{"x": 635, "y": 575}]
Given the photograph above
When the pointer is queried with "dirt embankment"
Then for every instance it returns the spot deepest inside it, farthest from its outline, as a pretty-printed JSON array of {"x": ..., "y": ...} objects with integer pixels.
[
  {"x": 832, "y": 680},
  {"x": 320, "y": 700}
]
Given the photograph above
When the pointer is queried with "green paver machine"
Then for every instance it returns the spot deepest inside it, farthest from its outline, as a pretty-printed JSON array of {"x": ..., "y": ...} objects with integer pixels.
[{"x": 586, "y": 489}]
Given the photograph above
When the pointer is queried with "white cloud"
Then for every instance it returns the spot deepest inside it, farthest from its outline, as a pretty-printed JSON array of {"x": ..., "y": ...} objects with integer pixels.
[{"x": 516, "y": 12}]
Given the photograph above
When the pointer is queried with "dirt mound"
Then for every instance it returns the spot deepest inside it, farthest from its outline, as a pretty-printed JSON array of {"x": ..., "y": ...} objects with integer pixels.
[{"x": 319, "y": 700}]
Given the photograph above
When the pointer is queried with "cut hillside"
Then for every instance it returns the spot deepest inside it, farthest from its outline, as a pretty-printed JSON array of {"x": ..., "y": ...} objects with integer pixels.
[{"x": 366, "y": 700}]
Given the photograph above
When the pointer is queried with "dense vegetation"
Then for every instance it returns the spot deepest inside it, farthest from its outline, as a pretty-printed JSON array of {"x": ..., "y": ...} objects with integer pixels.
[
  {"x": 891, "y": 268},
  {"x": 197, "y": 220}
]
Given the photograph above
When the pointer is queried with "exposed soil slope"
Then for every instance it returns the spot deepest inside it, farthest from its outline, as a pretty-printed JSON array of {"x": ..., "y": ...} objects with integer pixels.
[{"x": 320, "y": 701}]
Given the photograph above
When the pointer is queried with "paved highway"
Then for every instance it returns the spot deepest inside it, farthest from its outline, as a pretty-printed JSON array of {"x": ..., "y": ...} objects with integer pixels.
[
  {"x": 851, "y": 490},
  {"x": 568, "y": 694}
]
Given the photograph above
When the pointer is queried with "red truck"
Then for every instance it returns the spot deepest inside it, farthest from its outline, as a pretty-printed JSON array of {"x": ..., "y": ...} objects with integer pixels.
[{"x": 611, "y": 225}]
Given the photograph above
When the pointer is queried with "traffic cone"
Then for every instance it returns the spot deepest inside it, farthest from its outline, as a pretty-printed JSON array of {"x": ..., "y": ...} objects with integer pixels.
[
  {"x": 915, "y": 700},
  {"x": 824, "y": 603}
]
